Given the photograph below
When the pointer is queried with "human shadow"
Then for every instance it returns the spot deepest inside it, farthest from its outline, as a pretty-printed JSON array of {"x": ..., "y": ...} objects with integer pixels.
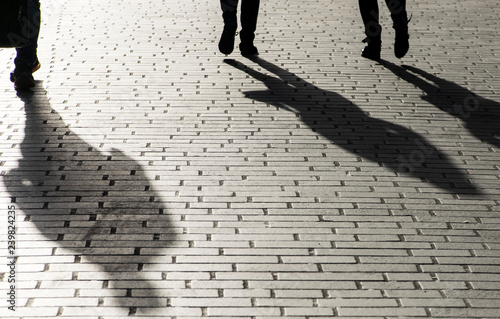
[
  {"x": 480, "y": 116},
  {"x": 347, "y": 126},
  {"x": 99, "y": 209}
]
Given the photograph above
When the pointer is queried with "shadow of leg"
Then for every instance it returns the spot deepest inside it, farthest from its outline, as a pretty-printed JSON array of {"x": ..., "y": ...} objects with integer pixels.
[{"x": 98, "y": 208}]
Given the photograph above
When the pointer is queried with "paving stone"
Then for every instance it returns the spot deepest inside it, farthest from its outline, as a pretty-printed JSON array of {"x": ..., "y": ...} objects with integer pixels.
[{"x": 153, "y": 177}]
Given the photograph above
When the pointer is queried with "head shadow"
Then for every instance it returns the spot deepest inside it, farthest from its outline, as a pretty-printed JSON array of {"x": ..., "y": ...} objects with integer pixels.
[
  {"x": 99, "y": 208},
  {"x": 480, "y": 116},
  {"x": 346, "y": 125}
]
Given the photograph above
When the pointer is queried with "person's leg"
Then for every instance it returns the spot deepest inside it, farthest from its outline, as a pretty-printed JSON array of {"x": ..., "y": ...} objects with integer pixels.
[
  {"x": 249, "y": 13},
  {"x": 400, "y": 24},
  {"x": 370, "y": 15},
  {"x": 229, "y": 10},
  {"x": 26, "y": 61}
]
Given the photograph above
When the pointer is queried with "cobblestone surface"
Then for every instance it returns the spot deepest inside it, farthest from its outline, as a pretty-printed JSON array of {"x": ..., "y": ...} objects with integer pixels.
[{"x": 152, "y": 176}]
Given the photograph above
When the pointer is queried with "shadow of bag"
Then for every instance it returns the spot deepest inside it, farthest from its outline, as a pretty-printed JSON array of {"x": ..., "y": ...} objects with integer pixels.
[{"x": 14, "y": 23}]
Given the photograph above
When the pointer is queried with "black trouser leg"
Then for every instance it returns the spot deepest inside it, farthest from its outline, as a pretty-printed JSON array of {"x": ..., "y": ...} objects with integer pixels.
[
  {"x": 229, "y": 10},
  {"x": 27, "y": 56},
  {"x": 370, "y": 15},
  {"x": 249, "y": 13},
  {"x": 398, "y": 11},
  {"x": 400, "y": 24}
]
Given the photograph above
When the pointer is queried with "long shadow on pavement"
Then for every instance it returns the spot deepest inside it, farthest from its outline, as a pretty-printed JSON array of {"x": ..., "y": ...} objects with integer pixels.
[
  {"x": 99, "y": 208},
  {"x": 480, "y": 116},
  {"x": 349, "y": 127}
]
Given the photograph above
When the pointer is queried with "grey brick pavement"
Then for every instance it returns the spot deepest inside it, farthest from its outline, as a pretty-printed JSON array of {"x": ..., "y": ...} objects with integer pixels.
[{"x": 153, "y": 178}]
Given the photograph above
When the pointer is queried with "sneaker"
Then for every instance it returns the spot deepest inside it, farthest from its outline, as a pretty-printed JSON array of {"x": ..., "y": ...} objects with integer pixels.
[{"x": 226, "y": 43}]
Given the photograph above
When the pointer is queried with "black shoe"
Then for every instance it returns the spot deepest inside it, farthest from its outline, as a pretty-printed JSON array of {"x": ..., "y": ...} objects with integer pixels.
[
  {"x": 24, "y": 81},
  {"x": 24, "y": 78},
  {"x": 226, "y": 43},
  {"x": 372, "y": 50},
  {"x": 401, "y": 43},
  {"x": 248, "y": 50}
]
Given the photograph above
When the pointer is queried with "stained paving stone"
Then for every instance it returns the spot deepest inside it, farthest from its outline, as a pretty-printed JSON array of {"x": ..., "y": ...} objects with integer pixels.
[{"x": 153, "y": 177}]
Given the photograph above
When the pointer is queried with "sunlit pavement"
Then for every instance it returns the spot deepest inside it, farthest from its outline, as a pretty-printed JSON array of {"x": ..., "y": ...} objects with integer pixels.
[{"x": 150, "y": 176}]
